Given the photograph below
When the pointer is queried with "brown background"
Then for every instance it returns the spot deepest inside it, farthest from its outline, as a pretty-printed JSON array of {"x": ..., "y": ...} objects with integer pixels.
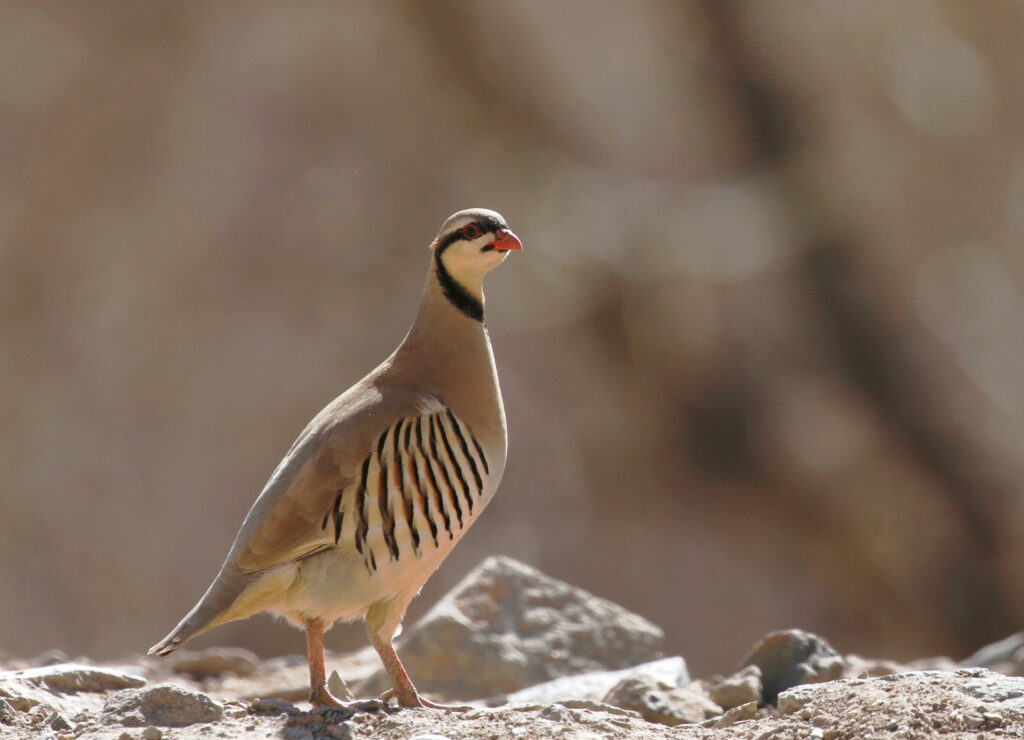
[{"x": 763, "y": 357}]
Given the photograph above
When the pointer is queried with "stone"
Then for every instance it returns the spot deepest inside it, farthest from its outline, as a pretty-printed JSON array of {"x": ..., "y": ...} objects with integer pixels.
[
  {"x": 338, "y": 688},
  {"x": 660, "y": 702},
  {"x": 152, "y": 733},
  {"x": 163, "y": 704},
  {"x": 740, "y": 713},
  {"x": 507, "y": 626},
  {"x": 272, "y": 706},
  {"x": 595, "y": 685},
  {"x": 738, "y": 689},
  {"x": 58, "y": 722},
  {"x": 215, "y": 662},
  {"x": 994, "y": 688},
  {"x": 790, "y": 658},
  {"x": 340, "y": 731}
]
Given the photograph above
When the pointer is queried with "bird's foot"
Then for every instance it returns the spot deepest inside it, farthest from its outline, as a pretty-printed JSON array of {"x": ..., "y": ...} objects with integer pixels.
[
  {"x": 321, "y": 697},
  {"x": 413, "y": 699}
]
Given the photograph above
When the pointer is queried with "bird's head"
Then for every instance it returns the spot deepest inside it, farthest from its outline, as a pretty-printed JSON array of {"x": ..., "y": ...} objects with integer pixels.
[{"x": 473, "y": 242}]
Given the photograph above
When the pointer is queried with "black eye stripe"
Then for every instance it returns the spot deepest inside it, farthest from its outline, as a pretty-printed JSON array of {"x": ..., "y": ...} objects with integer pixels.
[{"x": 486, "y": 224}]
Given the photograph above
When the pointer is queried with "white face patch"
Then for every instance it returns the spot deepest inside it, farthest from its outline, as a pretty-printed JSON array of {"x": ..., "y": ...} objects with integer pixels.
[{"x": 469, "y": 263}]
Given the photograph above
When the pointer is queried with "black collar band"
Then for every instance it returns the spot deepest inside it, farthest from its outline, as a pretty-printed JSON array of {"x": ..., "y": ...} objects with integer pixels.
[{"x": 456, "y": 292}]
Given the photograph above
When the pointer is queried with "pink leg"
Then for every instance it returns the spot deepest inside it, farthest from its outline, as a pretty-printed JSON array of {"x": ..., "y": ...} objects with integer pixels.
[
  {"x": 382, "y": 620},
  {"x": 319, "y": 696}
]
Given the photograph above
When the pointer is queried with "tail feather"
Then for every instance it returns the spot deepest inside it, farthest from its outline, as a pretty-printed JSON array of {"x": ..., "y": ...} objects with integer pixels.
[{"x": 207, "y": 614}]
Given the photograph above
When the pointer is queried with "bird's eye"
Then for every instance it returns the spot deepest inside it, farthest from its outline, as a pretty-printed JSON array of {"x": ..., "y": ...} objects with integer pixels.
[{"x": 471, "y": 231}]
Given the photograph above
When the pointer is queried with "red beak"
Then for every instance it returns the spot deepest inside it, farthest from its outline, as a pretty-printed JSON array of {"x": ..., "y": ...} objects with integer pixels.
[{"x": 507, "y": 241}]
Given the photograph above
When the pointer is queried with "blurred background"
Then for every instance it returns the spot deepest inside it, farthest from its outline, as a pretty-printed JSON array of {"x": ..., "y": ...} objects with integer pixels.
[{"x": 763, "y": 356}]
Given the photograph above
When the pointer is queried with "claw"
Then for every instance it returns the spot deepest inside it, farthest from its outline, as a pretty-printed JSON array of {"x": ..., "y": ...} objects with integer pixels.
[
  {"x": 416, "y": 700},
  {"x": 321, "y": 697}
]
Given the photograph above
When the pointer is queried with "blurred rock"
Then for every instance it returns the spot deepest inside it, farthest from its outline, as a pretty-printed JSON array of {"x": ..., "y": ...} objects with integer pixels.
[
  {"x": 1005, "y": 656},
  {"x": 741, "y": 713},
  {"x": 214, "y": 662},
  {"x": 742, "y": 687},
  {"x": 71, "y": 677},
  {"x": 855, "y": 666},
  {"x": 596, "y": 685},
  {"x": 68, "y": 688},
  {"x": 792, "y": 657},
  {"x": 49, "y": 657},
  {"x": 507, "y": 626},
  {"x": 661, "y": 702},
  {"x": 163, "y": 704}
]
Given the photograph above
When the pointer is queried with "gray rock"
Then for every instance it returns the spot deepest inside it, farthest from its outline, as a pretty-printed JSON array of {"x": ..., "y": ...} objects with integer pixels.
[
  {"x": 163, "y": 704},
  {"x": 152, "y": 733},
  {"x": 507, "y": 626},
  {"x": 660, "y": 702},
  {"x": 595, "y": 685},
  {"x": 790, "y": 658},
  {"x": 994, "y": 689},
  {"x": 738, "y": 689},
  {"x": 215, "y": 662}
]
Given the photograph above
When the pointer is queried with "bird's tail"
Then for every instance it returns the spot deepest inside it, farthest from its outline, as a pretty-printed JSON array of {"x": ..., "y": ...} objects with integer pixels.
[{"x": 211, "y": 611}]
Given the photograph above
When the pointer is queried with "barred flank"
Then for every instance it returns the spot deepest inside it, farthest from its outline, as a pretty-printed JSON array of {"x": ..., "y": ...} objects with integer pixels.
[{"x": 425, "y": 473}]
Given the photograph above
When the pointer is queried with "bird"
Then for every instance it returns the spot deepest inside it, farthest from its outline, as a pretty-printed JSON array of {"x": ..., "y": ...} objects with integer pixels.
[{"x": 383, "y": 483}]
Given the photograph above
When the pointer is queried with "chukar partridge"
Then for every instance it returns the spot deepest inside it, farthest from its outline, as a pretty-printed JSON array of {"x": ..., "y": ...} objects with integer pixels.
[{"x": 382, "y": 483}]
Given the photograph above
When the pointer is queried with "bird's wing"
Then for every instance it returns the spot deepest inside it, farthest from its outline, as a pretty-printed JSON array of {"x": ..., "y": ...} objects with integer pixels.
[{"x": 288, "y": 520}]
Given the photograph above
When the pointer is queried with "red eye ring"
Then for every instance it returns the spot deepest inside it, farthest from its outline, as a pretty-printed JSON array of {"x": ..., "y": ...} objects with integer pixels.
[{"x": 471, "y": 231}]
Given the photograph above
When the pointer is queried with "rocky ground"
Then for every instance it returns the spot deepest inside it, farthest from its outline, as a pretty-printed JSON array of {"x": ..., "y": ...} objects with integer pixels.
[{"x": 521, "y": 655}]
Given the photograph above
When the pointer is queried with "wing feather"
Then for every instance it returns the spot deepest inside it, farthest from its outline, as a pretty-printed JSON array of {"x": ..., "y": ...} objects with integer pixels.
[{"x": 287, "y": 521}]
